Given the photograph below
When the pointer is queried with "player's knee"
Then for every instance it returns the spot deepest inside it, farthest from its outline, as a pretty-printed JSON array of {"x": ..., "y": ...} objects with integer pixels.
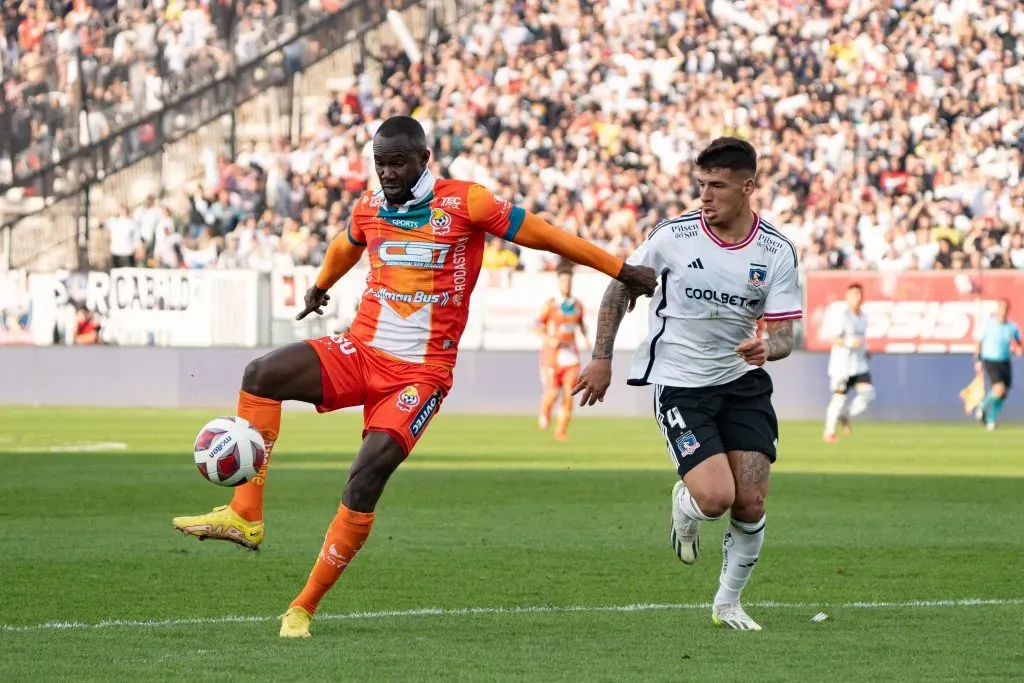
[
  {"x": 999, "y": 390},
  {"x": 258, "y": 378},
  {"x": 866, "y": 392},
  {"x": 748, "y": 507},
  {"x": 714, "y": 501}
]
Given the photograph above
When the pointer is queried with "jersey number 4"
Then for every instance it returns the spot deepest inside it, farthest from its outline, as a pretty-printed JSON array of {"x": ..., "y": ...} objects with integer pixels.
[{"x": 675, "y": 419}]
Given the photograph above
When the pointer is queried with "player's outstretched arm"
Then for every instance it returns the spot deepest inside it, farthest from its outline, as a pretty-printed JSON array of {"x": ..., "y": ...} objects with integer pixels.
[
  {"x": 515, "y": 224},
  {"x": 343, "y": 253},
  {"x": 597, "y": 376},
  {"x": 536, "y": 233}
]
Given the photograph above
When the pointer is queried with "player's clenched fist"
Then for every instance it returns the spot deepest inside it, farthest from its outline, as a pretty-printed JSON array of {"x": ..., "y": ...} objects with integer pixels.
[
  {"x": 594, "y": 381},
  {"x": 754, "y": 351},
  {"x": 639, "y": 281},
  {"x": 315, "y": 301}
]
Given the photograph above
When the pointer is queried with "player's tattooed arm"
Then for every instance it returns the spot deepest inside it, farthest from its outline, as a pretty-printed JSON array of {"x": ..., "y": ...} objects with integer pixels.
[
  {"x": 609, "y": 317},
  {"x": 781, "y": 339}
]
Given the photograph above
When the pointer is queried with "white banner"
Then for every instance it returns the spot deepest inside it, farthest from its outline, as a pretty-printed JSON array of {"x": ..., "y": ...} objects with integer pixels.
[
  {"x": 501, "y": 316},
  {"x": 149, "y": 307},
  {"x": 508, "y": 313},
  {"x": 14, "y": 307}
]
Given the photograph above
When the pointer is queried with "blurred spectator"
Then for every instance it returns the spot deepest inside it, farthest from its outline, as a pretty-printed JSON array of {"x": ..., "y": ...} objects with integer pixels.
[
  {"x": 891, "y": 132},
  {"x": 76, "y": 71},
  {"x": 87, "y": 328}
]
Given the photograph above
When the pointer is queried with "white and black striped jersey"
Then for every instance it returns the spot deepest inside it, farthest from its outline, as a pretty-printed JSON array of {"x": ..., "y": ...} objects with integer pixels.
[
  {"x": 845, "y": 361},
  {"x": 710, "y": 297}
]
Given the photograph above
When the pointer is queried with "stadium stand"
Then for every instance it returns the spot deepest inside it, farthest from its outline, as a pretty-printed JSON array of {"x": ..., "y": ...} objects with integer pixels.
[
  {"x": 891, "y": 133},
  {"x": 76, "y": 72}
]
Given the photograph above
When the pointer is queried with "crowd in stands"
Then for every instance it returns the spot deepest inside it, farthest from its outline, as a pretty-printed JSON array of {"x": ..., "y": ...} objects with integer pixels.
[
  {"x": 77, "y": 71},
  {"x": 891, "y": 132}
]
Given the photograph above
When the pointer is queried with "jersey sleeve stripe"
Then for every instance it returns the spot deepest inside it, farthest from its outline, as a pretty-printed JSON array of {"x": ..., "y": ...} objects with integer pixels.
[
  {"x": 352, "y": 239},
  {"x": 515, "y": 221},
  {"x": 784, "y": 315}
]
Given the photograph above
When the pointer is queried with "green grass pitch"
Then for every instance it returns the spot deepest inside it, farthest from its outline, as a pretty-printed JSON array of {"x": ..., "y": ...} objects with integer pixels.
[{"x": 499, "y": 555}]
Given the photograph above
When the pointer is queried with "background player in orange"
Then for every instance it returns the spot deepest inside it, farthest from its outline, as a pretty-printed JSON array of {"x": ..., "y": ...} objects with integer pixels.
[
  {"x": 425, "y": 239},
  {"x": 559, "y": 323}
]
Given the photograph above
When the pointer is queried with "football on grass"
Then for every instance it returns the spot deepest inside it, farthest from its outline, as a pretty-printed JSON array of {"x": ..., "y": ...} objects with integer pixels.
[{"x": 228, "y": 451}]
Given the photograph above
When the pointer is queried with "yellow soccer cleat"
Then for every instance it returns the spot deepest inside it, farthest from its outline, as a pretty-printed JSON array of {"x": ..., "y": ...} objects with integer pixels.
[
  {"x": 295, "y": 623},
  {"x": 223, "y": 524}
]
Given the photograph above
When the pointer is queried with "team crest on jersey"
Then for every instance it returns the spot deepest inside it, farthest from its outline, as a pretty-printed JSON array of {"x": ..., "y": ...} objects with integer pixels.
[
  {"x": 408, "y": 399},
  {"x": 440, "y": 221},
  {"x": 687, "y": 444},
  {"x": 758, "y": 275}
]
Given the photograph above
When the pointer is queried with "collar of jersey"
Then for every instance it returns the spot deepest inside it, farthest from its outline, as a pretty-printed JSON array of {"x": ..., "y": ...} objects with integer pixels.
[{"x": 415, "y": 213}]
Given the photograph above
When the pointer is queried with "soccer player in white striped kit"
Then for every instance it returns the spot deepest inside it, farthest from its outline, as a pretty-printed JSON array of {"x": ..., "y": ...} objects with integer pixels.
[
  {"x": 721, "y": 268},
  {"x": 848, "y": 370}
]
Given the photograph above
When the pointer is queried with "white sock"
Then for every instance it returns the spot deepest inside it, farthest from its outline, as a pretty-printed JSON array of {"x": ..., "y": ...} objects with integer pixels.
[
  {"x": 740, "y": 549},
  {"x": 686, "y": 504},
  {"x": 832, "y": 413},
  {"x": 861, "y": 400}
]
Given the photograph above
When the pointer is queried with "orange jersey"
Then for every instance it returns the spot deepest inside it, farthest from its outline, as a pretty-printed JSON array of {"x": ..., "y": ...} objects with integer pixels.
[
  {"x": 561, "y": 320},
  {"x": 424, "y": 262}
]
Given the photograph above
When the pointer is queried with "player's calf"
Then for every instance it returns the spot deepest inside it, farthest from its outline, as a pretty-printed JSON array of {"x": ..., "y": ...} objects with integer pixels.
[
  {"x": 743, "y": 539},
  {"x": 379, "y": 457},
  {"x": 834, "y": 414}
]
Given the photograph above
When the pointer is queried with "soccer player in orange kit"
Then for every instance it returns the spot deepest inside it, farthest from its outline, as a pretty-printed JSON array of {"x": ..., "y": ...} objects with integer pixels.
[
  {"x": 559, "y": 322},
  {"x": 425, "y": 241}
]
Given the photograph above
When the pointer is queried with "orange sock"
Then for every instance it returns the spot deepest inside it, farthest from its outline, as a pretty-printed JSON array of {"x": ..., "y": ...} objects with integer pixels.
[
  {"x": 345, "y": 537},
  {"x": 265, "y": 415}
]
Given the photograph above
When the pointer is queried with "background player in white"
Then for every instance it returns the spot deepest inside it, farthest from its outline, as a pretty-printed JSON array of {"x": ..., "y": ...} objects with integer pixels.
[
  {"x": 720, "y": 269},
  {"x": 848, "y": 365}
]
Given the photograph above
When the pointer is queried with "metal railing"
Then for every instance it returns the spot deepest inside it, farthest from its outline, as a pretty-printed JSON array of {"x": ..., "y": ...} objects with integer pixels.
[{"x": 56, "y": 234}]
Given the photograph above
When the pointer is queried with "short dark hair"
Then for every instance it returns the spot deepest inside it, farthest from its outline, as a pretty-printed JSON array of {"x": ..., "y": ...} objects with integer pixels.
[
  {"x": 730, "y": 153},
  {"x": 857, "y": 286},
  {"x": 404, "y": 126}
]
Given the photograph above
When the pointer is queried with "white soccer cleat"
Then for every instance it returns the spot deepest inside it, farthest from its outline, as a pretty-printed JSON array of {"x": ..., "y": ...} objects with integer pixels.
[
  {"x": 685, "y": 532},
  {"x": 990, "y": 426},
  {"x": 733, "y": 616}
]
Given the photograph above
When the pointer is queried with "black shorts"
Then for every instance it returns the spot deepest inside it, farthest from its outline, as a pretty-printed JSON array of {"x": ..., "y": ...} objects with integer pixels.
[
  {"x": 843, "y": 386},
  {"x": 999, "y": 371},
  {"x": 701, "y": 422}
]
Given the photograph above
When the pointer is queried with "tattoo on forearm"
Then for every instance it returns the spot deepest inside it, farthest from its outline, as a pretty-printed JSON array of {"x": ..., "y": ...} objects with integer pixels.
[
  {"x": 781, "y": 339},
  {"x": 609, "y": 317}
]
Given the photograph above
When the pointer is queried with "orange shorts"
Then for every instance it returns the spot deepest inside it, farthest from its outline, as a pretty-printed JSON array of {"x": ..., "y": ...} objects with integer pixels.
[
  {"x": 564, "y": 376},
  {"x": 398, "y": 398}
]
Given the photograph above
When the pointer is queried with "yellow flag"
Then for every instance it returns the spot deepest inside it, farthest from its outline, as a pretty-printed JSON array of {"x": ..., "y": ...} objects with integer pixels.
[{"x": 973, "y": 394}]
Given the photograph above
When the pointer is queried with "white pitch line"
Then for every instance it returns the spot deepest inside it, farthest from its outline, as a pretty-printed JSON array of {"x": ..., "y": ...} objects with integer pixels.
[
  {"x": 472, "y": 611},
  {"x": 90, "y": 447}
]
